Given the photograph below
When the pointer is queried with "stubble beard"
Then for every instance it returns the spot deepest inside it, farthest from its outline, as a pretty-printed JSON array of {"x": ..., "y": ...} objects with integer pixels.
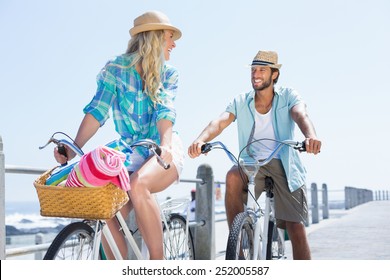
[{"x": 266, "y": 84}]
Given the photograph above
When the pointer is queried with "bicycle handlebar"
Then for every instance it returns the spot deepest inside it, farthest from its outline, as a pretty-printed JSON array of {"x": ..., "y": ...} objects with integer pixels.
[
  {"x": 146, "y": 143},
  {"x": 152, "y": 146},
  {"x": 300, "y": 146}
]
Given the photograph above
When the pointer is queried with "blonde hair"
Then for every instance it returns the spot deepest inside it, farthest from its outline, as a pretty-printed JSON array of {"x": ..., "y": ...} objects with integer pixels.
[{"x": 147, "y": 48}]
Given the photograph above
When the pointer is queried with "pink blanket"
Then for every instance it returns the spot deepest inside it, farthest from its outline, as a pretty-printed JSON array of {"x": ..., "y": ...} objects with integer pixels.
[{"x": 99, "y": 167}]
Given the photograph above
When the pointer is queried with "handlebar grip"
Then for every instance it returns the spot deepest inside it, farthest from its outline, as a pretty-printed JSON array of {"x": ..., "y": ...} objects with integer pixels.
[
  {"x": 62, "y": 150},
  {"x": 158, "y": 152},
  {"x": 205, "y": 148}
]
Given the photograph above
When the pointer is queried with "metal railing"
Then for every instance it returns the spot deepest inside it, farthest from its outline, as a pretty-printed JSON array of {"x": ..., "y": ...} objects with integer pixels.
[{"x": 204, "y": 225}]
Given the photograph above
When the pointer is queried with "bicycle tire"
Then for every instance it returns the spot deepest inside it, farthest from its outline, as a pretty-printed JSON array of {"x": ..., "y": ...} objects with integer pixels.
[
  {"x": 176, "y": 244},
  {"x": 73, "y": 242},
  {"x": 275, "y": 242},
  {"x": 240, "y": 244}
]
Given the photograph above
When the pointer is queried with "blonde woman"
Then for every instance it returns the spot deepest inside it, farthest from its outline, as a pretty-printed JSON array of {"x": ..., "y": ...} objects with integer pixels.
[{"x": 140, "y": 90}]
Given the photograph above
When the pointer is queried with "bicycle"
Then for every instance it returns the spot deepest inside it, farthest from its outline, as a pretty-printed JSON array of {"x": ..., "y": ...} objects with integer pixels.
[
  {"x": 253, "y": 233},
  {"x": 81, "y": 240}
]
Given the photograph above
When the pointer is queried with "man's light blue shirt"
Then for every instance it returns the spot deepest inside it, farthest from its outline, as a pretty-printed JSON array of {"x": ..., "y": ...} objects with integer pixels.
[{"x": 243, "y": 108}]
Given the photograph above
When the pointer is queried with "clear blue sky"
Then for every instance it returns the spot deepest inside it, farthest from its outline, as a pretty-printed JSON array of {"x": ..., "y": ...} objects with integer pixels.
[{"x": 335, "y": 53}]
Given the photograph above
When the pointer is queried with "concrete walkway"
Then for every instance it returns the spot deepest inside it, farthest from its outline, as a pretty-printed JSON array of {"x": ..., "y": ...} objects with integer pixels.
[{"x": 361, "y": 233}]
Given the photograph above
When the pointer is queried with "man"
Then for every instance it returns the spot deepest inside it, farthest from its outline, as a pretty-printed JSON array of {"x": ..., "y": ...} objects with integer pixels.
[{"x": 268, "y": 112}]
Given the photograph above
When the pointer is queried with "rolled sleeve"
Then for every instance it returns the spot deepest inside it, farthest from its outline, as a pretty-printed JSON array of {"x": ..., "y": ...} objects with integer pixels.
[
  {"x": 294, "y": 98},
  {"x": 166, "y": 109},
  {"x": 105, "y": 94}
]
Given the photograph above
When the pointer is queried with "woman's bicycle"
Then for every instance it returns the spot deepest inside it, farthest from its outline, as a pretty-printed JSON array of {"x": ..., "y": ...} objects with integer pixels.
[
  {"x": 253, "y": 233},
  {"x": 81, "y": 240}
]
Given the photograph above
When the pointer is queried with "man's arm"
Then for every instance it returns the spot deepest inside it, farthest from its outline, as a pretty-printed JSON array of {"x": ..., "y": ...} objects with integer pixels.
[
  {"x": 211, "y": 131},
  {"x": 300, "y": 116}
]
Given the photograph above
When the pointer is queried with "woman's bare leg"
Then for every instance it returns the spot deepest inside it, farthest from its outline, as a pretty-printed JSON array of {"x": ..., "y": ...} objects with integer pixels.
[
  {"x": 119, "y": 238},
  {"x": 150, "y": 178}
]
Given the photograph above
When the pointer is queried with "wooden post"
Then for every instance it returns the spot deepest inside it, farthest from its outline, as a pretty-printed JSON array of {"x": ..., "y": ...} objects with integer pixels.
[
  {"x": 2, "y": 202},
  {"x": 325, "y": 204},
  {"x": 205, "y": 214},
  {"x": 314, "y": 203},
  {"x": 38, "y": 241}
]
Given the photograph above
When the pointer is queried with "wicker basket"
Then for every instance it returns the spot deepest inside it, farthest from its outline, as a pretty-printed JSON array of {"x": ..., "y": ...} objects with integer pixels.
[{"x": 84, "y": 203}]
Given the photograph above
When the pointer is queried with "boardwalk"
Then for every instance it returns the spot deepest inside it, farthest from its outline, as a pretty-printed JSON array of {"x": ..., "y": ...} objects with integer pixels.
[{"x": 361, "y": 233}]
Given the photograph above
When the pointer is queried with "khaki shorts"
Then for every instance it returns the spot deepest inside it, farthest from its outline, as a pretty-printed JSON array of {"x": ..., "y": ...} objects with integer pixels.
[{"x": 289, "y": 206}]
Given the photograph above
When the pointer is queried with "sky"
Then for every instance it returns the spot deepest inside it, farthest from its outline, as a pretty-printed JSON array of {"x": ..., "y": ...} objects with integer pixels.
[{"x": 335, "y": 53}]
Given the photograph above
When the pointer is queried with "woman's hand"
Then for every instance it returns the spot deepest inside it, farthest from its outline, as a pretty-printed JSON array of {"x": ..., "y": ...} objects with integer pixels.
[
  {"x": 166, "y": 154},
  {"x": 61, "y": 159}
]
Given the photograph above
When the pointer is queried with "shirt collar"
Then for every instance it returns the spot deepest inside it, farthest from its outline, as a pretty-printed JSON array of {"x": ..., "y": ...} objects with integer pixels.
[{"x": 252, "y": 94}]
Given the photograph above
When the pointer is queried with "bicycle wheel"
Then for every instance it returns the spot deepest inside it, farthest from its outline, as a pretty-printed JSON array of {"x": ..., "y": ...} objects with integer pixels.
[
  {"x": 177, "y": 245},
  {"x": 74, "y": 242},
  {"x": 240, "y": 241},
  {"x": 275, "y": 244}
]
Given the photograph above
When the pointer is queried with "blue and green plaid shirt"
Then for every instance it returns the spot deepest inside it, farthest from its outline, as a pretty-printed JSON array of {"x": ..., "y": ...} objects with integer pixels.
[{"x": 135, "y": 116}]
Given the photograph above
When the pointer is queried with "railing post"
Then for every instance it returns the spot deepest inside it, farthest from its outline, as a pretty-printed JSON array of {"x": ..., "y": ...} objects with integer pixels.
[
  {"x": 2, "y": 202},
  {"x": 38, "y": 241},
  {"x": 314, "y": 204},
  {"x": 205, "y": 213},
  {"x": 325, "y": 204},
  {"x": 347, "y": 198},
  {"x": 132, "y": 224}
]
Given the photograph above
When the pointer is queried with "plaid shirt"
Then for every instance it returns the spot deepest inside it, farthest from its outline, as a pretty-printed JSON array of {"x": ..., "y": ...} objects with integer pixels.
[{"x": 135, "y": 116}]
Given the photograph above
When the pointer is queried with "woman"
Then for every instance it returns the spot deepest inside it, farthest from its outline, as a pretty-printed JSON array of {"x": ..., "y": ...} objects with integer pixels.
[{"x": 140, "y": 89}]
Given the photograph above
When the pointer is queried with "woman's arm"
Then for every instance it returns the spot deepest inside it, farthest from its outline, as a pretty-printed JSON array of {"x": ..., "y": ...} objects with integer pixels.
[
  {"x": 164, "y": 128},
  {"x": 87, "y": 129}
]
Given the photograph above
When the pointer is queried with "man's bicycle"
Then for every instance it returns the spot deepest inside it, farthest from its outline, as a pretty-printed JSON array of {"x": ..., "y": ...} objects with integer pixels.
[
  {"x": 253, "y": 233},
  {"x": 81, "y": 240}
]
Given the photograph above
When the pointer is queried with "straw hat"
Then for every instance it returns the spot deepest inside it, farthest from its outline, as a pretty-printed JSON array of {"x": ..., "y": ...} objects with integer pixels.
[
  {"x": 153, "y": 20},
  {"x": 267, "y": 58}
]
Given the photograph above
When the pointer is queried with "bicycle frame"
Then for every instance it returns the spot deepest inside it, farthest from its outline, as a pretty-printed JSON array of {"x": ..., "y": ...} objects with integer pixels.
[
  {"x": 100, "y": 227},
  {"x": 252, "y": 206}
]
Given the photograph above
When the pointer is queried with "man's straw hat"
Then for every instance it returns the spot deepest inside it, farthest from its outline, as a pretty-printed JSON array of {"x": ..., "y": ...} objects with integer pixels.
[
  {"x": 153, "y": 20},
  {"x": 267, "y": 58}
]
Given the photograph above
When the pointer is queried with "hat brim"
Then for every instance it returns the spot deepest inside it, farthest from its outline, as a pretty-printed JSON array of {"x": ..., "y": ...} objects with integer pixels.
[
  {"x": 155, "y": 26},
  {"x": 276, "y": 66}
]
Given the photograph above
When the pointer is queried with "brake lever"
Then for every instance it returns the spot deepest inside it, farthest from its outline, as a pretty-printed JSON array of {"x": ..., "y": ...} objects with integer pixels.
[
  {"x": 302, "y": 148},
  {"x": 157, "y": 151},
  {"x": 206, "y": 147},
  {"x": 51, "y": 140}
]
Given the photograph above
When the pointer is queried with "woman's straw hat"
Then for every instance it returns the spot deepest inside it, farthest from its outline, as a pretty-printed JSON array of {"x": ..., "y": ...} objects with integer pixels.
[
  {"x": 267, "y": 58},
  {"x": 153, "y": 20}
]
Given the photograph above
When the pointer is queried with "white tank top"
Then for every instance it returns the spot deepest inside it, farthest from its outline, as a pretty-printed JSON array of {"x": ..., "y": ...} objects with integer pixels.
[{"x": 263, "y": 129}]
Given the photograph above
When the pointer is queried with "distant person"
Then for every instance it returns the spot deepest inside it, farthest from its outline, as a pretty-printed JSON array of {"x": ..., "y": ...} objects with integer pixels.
[
  {"x": 192, "y": 215},
  {"x": 270, "y": 112},
  {"x": 218, "y": 192},
  {"x": 140, "y": 89}
]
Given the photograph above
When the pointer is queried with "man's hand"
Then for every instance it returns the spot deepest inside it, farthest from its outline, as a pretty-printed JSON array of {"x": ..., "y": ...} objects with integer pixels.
[
  {"x": 194, "y": 150},
  {"x": 313, "y": 145}
]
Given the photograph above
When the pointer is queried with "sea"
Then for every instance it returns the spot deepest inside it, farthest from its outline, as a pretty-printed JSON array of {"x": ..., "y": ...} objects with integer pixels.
[{"x": 24, "y": 225}]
